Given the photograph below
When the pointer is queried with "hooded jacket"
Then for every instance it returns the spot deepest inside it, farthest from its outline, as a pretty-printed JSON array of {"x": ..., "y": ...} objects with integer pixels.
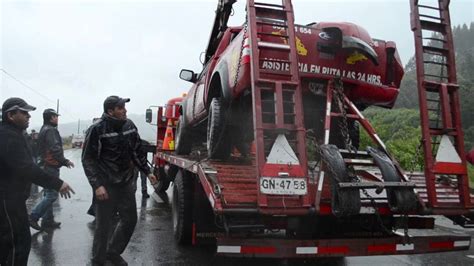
[
  {"x": 112, "y": 149},
  {"x": 17, "y": 169},
  {"x": 51, "y": 147}
]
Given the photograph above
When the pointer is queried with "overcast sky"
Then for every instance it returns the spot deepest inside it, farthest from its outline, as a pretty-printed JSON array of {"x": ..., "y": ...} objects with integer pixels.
[{"x": 80, "y": 52}]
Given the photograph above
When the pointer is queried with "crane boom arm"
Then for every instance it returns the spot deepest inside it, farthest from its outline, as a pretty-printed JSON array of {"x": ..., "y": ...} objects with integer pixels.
[{"x": 223, "y": 11}]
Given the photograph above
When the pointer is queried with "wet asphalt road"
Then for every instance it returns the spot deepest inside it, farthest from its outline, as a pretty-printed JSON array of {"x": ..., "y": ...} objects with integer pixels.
[{"x": 153, "y": 243}]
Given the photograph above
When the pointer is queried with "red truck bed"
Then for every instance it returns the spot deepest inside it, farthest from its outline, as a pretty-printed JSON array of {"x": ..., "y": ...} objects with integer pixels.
[
  {"x": 237, "y": 181},
  {"x": 237, "y": 193}
]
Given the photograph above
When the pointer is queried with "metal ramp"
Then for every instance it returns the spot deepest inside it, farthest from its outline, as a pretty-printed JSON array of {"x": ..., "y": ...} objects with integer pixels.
[
  {"x": 442, "y": 136},
  {"x": 277, "y": 101}
]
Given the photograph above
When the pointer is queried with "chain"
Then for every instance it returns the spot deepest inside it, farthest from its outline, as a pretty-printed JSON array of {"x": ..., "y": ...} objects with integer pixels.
[
  {"x": 310, "y": 135},
  {"x": 241, "y": 52},
  {"x": 343, "y": 125},
  {"x": 339, "y": 97},
  {"x": 406, "y": 237},
  {"x": 376, "y": 211}
]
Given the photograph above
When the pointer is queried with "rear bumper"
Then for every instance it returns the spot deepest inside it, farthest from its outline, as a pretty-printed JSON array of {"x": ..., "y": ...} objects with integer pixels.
[{"x": 288, "y": 248}]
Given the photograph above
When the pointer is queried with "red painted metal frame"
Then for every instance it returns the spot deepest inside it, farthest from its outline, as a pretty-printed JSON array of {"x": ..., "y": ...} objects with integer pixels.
[
  {"x": 277, "y": 84},
  {"x": 160, "y": 129},
  {"x": 293, "y": 248},
  {"x": 352, "y": 113},
  {"x": 373, "y": 135},
  {"x": 196, "y": 168},
  {"x": 449, "y": 103},
  {"x": 327, "y": 131}
]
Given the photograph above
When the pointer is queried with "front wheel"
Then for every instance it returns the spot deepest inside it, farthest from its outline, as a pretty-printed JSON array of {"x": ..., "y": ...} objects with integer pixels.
[
  {"x": 184, "y": 141},
  {"x": 218, "y": 143}
]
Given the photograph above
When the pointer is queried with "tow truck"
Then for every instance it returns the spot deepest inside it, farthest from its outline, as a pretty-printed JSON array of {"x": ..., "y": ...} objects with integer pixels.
[{"x": 284, "y": 201}]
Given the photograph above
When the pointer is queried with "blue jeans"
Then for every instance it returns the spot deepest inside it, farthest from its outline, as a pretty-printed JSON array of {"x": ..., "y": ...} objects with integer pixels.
[
  {"x": 143, "y": 178},
  {"x": 44, "y": 208}
]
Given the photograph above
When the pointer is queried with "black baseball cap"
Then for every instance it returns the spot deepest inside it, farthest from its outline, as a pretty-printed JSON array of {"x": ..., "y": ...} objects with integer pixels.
[
  {"x": 112, "y": 101},
  {"x": 15, "y": 103},
  {"x": 50, "y": 112}
]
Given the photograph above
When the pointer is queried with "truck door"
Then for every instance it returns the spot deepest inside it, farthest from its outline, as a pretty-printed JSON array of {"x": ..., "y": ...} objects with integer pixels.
[
  {"x": 198, "y": 101},
  {"x": 198, "y": 105}
]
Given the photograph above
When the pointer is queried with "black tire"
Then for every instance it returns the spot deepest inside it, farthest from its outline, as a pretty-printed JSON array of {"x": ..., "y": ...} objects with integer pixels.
[
  {"x": 400, "y": 200},
  {"x": 239, "y": 139},
  {"x": 184, "y": 140},
  {"x": 163, "y": 180},
  {"x": 405, "y": 200},
  {"x": 344, "y": 202},
  {"x": 182, "y": 208},
  {"x": 354, "y": 134},
  {"x": 218, "y": 144}
]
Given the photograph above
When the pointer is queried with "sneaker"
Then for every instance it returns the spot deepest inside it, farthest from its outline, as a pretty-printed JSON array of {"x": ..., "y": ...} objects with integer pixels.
[
  {"x": 34, "y": 223},
  {"x": 50, "y": 224},
  {"x": 116, "y": 260}
]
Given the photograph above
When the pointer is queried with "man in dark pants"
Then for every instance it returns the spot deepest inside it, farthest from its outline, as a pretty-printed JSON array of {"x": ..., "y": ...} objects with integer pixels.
[
  {"x": 51, "y": 159},
  {"x": 111, "y": 151},
  {"x": 17, "y": 172}
]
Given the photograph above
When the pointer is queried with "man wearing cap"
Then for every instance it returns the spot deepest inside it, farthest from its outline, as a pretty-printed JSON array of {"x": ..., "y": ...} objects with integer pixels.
[
  {"x": 51, "y": 159},
  {"x": 18, "y": 171},
  {"x": 112, "y": 150}
]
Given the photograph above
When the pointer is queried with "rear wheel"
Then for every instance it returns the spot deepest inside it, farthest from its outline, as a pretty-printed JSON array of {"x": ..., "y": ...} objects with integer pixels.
[
  {"x": 184, "y": 141},
  {"x": 218, "y": 144},
  {"x": 182, "y": 208}
]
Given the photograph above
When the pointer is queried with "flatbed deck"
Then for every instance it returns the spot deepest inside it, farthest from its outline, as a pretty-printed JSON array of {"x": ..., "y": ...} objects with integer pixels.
[{"x": 235, "y": 187}]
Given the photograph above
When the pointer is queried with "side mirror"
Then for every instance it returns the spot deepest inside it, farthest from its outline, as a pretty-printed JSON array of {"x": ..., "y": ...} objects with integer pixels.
[
  {"x": 187, "y": 75},
  {"x": 149, "y": 115}
]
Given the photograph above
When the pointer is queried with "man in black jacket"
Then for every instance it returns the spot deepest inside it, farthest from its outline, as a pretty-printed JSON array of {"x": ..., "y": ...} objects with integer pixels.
[
  {"x": 51, "y": 159},
  {"x": 111, "y": 151},
  {"x": 17, "y": 172}
]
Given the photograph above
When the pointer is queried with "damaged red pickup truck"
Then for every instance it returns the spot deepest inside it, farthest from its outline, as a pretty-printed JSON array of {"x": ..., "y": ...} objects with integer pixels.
[{"x": 218, "y": 107}]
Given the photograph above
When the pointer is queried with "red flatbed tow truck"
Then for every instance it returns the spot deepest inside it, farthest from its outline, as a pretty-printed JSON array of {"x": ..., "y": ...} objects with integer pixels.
[{"x": 276, "y": 203}]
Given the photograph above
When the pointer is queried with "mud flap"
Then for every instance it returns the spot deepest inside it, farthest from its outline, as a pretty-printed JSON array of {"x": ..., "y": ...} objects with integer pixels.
[
  {"x": 344, "y": 202},
  {"x": 400, "y": 200}
]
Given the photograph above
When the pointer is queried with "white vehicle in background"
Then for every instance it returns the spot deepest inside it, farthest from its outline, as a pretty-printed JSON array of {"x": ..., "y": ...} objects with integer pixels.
[{"x": 77, "y": 141}]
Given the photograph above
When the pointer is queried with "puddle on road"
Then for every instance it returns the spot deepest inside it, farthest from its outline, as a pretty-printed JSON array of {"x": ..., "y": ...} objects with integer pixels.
[{"x": 158, "y": 212}]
